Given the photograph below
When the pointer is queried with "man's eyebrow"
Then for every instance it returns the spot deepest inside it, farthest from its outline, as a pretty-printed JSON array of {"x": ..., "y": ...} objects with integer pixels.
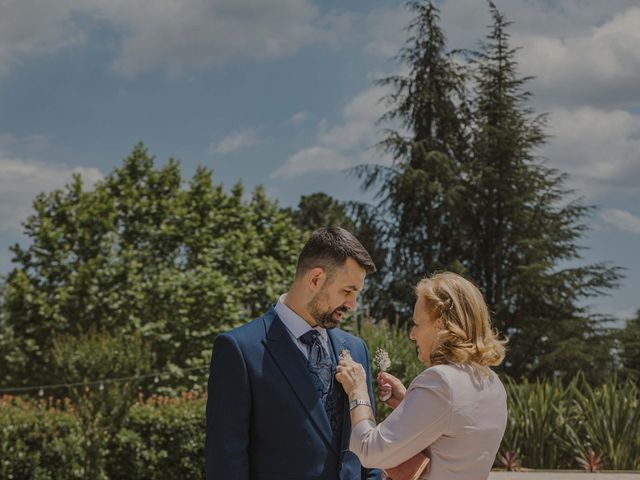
[{"x": 352, "y": 287}]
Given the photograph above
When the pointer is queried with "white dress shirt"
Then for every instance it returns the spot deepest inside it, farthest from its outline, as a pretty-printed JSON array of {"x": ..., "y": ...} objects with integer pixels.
[
  {"x": 297, "y": 326},
  {"x": 454, "y": 410}
]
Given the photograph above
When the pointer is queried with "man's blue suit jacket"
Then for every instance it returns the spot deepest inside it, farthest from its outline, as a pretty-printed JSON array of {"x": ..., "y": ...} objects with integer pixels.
[{"x": 265, "y": 419}]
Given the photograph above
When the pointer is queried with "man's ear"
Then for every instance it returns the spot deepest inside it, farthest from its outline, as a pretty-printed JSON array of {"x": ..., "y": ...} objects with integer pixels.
[{"x": 316, "y": 278}]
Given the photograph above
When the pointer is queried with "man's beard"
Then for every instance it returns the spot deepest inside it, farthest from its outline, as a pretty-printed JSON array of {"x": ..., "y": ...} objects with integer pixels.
[{"x": 323, "y": 317}]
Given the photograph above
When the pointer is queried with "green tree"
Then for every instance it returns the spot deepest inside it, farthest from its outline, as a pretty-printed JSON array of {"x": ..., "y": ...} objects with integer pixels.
[
  {"x": 523, "y": 228},
  {"x": 145, "y": 253},
  {"x": 420, "y": 195},
  {"x": 101, "y": 409},
  {"x": 629, "y": 347},
  {"x": 321, "y": 210}
]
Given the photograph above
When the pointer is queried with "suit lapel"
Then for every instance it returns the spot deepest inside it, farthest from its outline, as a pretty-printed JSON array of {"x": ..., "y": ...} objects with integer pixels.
[
  {"x": 340, "y": 341},
  {"x": 291, "y": 362}
]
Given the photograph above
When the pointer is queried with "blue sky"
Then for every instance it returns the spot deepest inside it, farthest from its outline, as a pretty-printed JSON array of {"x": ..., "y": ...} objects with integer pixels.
[{"x": 280, "y": 93}]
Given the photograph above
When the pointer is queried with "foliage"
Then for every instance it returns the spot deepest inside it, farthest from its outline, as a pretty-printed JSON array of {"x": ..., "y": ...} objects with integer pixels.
[
  {"x": 321, "y": 210},
  {"x": 629, "y": 347},
  {"x": 40, "y": 443},
  {"x": 590, "y": 461},
  {"x": 509, "y": 461},
  {"x": 101, "y": 409},
  {"x": 419, "y": 196},
  {"x": 143, "y": 253},
  {"x": 536, "y": 414},
  {"x": 550, "y": 424},
  {"x": 524, "y": 228},
  {"x": 162, "y": 438},
  {"x": 467, "y": 193},
  {"x": 607, "y": 417},
  {"x": 402, "y": 353}
]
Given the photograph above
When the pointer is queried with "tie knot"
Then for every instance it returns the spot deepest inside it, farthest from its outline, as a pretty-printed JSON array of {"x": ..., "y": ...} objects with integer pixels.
[{"x": 310, "y": 337}]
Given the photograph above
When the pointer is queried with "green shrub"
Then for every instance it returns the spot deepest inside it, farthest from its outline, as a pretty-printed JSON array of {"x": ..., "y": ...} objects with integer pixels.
[
  {"x": 551, "y": 424},
  {"x": 535, "y": 424},
  {"x": 164, "y": 438},
  {"x": 39, "y": 443},
  {"x": 101, "y": 409},
  {"x": 607, "y": 418}
]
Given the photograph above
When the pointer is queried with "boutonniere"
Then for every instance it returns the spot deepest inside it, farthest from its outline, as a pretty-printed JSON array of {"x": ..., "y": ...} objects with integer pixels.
[
  {"x": 383, "y": 361},
  {"x": 344, "y": 352}
]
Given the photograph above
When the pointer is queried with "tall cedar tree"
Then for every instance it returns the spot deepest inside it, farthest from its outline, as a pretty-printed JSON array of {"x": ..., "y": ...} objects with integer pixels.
[
  {"x": 419, "y": 196},
  {"x": 523, "y": 228}
]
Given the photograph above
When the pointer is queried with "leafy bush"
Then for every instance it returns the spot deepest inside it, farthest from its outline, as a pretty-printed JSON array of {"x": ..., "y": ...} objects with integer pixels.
[
  {"x": 608, "y": 419},
  {"x": 41, "y": 442},
  {"x": 162, "y": 438},
  {"x": 537, "y": 414},
  {"x": 101, "y": 409},
  {"x": 143, "y": 251},
  {"x": 552, "y": 425}
]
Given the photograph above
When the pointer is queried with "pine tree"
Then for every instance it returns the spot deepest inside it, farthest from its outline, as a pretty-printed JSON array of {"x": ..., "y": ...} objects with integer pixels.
[
  {"x": 524, "y": 227},
  {"x": 420, "y": 194},
  {"x": 321, "y": 210}
]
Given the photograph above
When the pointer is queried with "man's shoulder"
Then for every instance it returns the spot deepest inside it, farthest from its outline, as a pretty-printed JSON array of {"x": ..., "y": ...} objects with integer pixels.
[
  {"x": 350, "y": 339},
  {"x": 252, "y": 329}
]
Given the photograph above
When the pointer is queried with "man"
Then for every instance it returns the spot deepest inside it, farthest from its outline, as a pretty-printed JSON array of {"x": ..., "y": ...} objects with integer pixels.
[{"x": 274, "y": 408}]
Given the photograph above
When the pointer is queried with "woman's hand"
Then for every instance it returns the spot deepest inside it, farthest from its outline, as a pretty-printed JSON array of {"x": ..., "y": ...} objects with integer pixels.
[
  {"x": 352, "y": 377},
  {"x": 388, "y": 384}
]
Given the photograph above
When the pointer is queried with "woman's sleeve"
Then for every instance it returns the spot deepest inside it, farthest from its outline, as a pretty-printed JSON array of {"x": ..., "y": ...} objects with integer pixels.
[{"x": 416, "y": 423}]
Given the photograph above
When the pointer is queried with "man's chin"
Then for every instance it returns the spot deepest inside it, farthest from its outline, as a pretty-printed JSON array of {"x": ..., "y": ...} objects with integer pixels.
[{"x": 331, "y": 321}]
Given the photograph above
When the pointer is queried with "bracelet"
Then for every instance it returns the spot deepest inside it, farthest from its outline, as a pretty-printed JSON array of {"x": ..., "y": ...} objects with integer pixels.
[{"x": 358, "y": 401}]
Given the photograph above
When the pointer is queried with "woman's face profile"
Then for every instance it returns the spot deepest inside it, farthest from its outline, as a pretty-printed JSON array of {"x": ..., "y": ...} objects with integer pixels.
[{"x": 424, "y": 330}]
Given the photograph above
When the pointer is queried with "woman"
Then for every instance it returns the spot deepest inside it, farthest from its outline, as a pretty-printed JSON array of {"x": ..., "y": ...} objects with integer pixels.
[{"x": 456, "y": 408}]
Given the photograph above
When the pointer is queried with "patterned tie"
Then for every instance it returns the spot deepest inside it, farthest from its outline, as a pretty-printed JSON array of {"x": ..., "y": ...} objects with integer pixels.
[{"x": 319, "y": 362}]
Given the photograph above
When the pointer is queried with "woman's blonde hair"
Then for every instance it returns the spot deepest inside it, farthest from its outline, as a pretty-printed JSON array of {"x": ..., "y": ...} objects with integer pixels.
[{"x": 466, "y": 335}]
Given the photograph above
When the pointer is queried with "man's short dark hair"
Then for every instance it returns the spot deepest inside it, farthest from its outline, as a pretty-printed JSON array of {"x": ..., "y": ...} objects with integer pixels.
[{"x": 329, "y": 248}]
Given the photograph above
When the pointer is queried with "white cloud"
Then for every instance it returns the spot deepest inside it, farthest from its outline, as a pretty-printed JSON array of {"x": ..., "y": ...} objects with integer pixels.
[
  {"x": 312, "y": 160},
  {"x": 35, "y": 27},
  {"x": 344, "y": 145},
  {"x": 21, "y": 180},
  {"x": 298, "y": 118},
  {"x": 172, "y": 35},
  {"x": 179, "y": 35},
  {"x": 622, "y": 220},
  {"x": 235, "y": 141},
  {"x": 599, "y": 66},
  {"x": 581, "y": 53},
  {"x": 386, "y": 30},
  {"x": 601, "y": 148}
]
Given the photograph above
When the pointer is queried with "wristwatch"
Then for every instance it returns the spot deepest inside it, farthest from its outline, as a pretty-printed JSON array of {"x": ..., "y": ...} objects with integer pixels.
[{"x": 358, "y": 401}]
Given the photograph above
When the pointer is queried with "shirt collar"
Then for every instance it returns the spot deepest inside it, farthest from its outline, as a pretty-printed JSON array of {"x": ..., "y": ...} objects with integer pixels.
[{"x": 297, "y": 325}]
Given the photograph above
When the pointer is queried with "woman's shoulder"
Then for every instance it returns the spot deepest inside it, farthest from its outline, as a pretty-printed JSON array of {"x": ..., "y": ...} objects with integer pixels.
[
  {"x": 448, "y": 376},
  {"x": 435, "y": 378}
]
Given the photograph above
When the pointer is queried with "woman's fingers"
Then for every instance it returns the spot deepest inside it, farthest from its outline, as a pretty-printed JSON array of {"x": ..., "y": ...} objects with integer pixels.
[{"x": 388, "y": 378}]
